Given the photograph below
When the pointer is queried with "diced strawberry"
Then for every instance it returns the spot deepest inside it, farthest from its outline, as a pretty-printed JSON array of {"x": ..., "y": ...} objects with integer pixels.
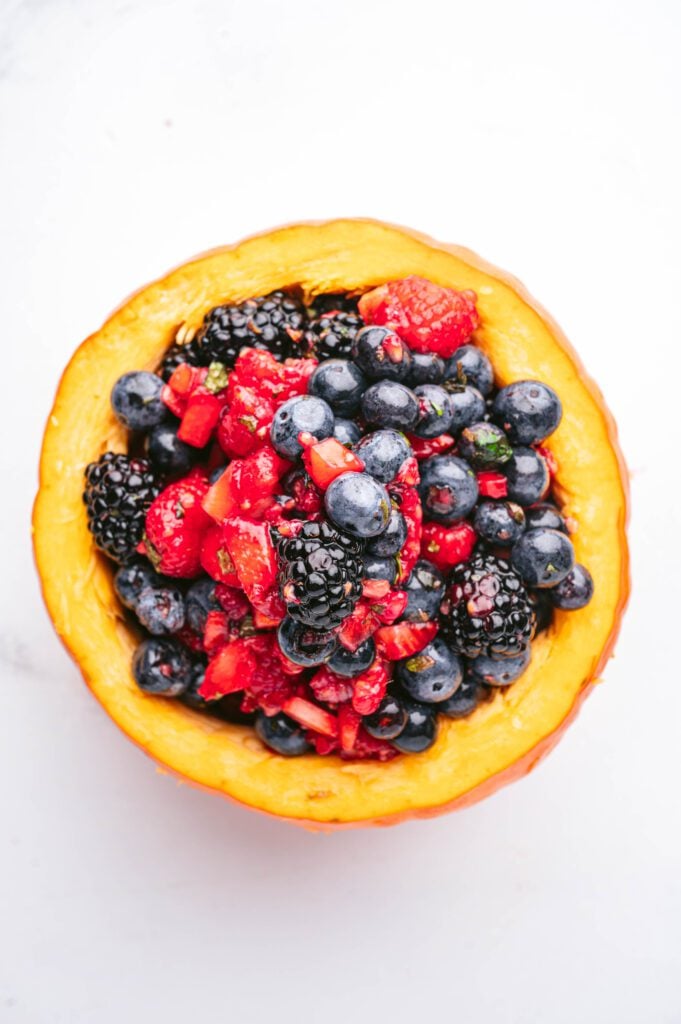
[
  {"x": 297, "y": 373},
  {"x": 408, "y": 473},
  {"x": 389, "y": 608},
  {"x": 349, "y": 722},
  {"x": 263, "y": 621},
  {"x": 358, "y": 626},
  {"x": 548, "y": 457},
  {"x": 428, "y": 316},
  {"x": 492, "y": 484},
  {"x": 221, "y": 500},
  {"x": 228, "y": 671},
  {"x": 252, "y": 552},
  {"x": 184, "y": 379},
  {"x": 404, "y": 639},
  {"x": 323, "y": 745},
  {"x": 329, "y": 687},
  {"x": 327, "y": 459},
  {"x": 258, "y": 480},
  {"x": 269, "y": 685},
  {"x": 409, "y": 505},
  {"x": 311, "y": 716},
  {"x": 199, "y": 420},
  {"x": 175, "y": 403},
  {"x": 375, "y": 589},
  {"x": 217, "y": 632},
  {"x": 370, "y": 687},
  {"x": 174, "y": 527},
  {"x": 216, "y": 559},
  {"x": 232, "y": 601},
  {"x": 305, "y": 493},
  {"x": 258, "y": 369},
  {"x": 245, "y": 424},
  {"x": 446, "y": 546},
  {"x": 424, "y": 447}
]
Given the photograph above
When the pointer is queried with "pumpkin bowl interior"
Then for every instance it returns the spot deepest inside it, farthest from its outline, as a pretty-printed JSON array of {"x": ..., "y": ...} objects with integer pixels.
[{"x": 503, "y": 739}]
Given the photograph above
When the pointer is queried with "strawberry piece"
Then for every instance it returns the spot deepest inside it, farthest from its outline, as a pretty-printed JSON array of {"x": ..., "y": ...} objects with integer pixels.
[
  {"x": 269, "y": 686},
  {"x": 175, "y": 403},
  {"x": 255, "y": 561},
  {"x": 370, "y": 687},
  {"x": 221, "y": 500},
  {"x": 245, "y": 424},
  {"x": 374, "y": 589},
  {"x": 184, "y": 379},
  {"x": 409, "y": 505},
  {"x": 305, "y": 493},
  {"x": 322, "y": 744},
  {"x": 389, "y": 609},
  {"x": 408, "y": 473},
  {"x": 429, "y": 317},
  {"x": 331, "y": 688},
  {"x": 217, "y": 632},
  {"x": 358, "y": 626},
  {"x": 296, "y": 373},
  {"x": 257, "y": 369},
  {"x": 348, "y": 727},
  {"x": 263, "y": 621},
  {"x": 328, "y": 459},
  {"x": 216, "y": 559},
  {"x": 199, "y": 420},
  {"x": 232, "y": 601},
  {"x": 311, "y": 716},
  {"x": 446, "y": 546},
  {"x": 424, "y": 447},
  {"x": 404, "y": 639},
  {"x": 258, "y": 480},
  {"x": 174, "y": 528},
  {"x": 492, "y": 485},
  {"x": 228, "y": 671}
]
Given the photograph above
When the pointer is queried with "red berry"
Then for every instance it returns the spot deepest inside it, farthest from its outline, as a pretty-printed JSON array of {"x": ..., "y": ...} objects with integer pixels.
[
  {"x": 548, "y": 457},
  {"x": 408, "y": 473},
  {"x": 358, "y": 626},
  {"x": 409, "y": 504},
  {"x": 217, "y": 632},
  {"x": 389, "y": 608},
  {"x": 367, "y": 746},
  {"x": 404, "y": 639},
  {"x": 311, "y": 716},
  {"x": 229, "y": 670},
  {"x": 252, "y": 552},
  {"x": 245, "y": 424},
  {"x": 216, "y": 559},
  {"x": 424, "y": 447},
  {"x": 329, "y": 687},
  {"x": 349, "y": 722},
  {"x": 327, "y": 459},
  {"x": 429, "y": 317},
  {"x": 175, "y": 526},
  {"x": 375, "y": 589},
  {"x": 446, "y": 546},
  {"x": 370, "y": 687}
]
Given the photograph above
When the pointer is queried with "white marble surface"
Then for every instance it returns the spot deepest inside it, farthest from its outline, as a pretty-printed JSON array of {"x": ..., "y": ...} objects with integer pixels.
[{"x": 544, "y": 136}]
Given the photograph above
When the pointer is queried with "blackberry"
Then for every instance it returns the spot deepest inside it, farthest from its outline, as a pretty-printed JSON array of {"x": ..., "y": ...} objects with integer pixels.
[
  {"x": 118, "y": 493},
  {"x": 332, "y": 335},
  {"x": 274, "y": 322},
  {"x": 333, "y": 302},
  {"x": 321, "y": 574},
  {"x": 491, "y": 612},
  {"x": 176, "y": 355}
]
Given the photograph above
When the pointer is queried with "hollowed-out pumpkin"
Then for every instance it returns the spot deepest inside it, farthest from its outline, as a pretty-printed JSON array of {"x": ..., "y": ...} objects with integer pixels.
[{"x": 503, "y": 739}]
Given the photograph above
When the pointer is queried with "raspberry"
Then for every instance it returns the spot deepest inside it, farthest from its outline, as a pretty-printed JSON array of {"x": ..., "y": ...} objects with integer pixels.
[
  {"x": 429, "y": 317},
  {"x": 175, "y": 526},
  {"x": 370, "y": 687}
]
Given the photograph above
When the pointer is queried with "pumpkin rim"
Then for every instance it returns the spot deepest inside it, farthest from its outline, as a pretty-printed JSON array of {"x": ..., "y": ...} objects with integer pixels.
[{"x": 532, "y": 756}]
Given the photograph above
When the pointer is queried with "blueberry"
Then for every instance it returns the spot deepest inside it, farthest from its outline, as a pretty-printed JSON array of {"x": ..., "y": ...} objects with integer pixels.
[
  {"x": 383, "y": 453},
  {"x": 527, "y": 476},
  {"x": 305, "y": 646},
  {"x": 575, "y": 591},
  {"x": 132, "y": 579},
  {"x": 420, "y": 730},
  {"x": 352, "y": 663},
  {"x": 466, "y": 699},
  {"x": 340, "y": 383},
  {"x": 448, "y": 488},
  {"x": 500, "y": 672},
  {"x": 389, "y": 404},
  {"x": 381, "y": 354},
  {"x": 162, "y": 666},
  {"x": 425, "y": 590},
  {"x": 499, "y": 522},
  {"x": 528, "y": 411},
  {"x": 358, "y": 504},
  {"x": 281, "y": 734},
  {"x": 435, "y": 413},
  {"x": 377, "y": 568},
  {"x": 391, "y": 540},
  {"x": 161, "y": 610},
  {"x": 545, "y": 515},
  {"x": 542, "y": 558},
  {"x": 167, "y": 454},
  {"x": 303, "y": 414},
  {"x": 136, "y": 400},
  {"x": 467, "y": 406},
  {"x": 346, "y": 431},
  {"x": 469, "y": 365},
  {"x": 199, "y": 600},
  {"x": 388, "y": 721},
  {"x": 431, "y": 675},
  {"x": 426, "y": 368},
  {"x": 484, "y": 445}
]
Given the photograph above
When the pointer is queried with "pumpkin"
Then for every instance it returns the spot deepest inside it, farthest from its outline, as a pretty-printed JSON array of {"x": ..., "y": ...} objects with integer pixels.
[{"x": 503, "y": 739}]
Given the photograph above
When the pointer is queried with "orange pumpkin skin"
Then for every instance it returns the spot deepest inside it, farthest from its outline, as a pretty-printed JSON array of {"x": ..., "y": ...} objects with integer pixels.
[{"x": 472, "y": 758}]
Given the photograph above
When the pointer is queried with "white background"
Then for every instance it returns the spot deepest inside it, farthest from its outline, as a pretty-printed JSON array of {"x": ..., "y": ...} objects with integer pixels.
[{"x": 545, "y": 136}]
